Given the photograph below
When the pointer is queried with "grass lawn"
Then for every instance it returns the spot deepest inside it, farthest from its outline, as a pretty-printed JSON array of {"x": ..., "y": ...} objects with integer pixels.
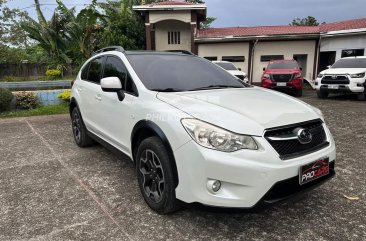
[{"x": 43, "y": 110}]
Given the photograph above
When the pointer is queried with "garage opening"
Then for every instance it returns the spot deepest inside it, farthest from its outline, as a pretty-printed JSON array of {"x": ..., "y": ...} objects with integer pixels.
[
  {"x": 302, "y": 60},
  {"x": 325, "y": 59}
]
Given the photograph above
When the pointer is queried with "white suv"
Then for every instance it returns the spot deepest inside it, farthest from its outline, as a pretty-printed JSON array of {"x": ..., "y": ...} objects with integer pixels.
[
  {"x": 196, "y": 133},
  {"x": 347, "y": 75},
  {"x": 231, "y": 68}
]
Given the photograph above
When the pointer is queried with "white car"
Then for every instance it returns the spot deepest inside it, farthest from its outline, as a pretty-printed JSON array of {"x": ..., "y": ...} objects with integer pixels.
[
  {"x": 231, "y": 68},
  {"x": 197, "y": 134},
  {"x": 347, "y": 75}
]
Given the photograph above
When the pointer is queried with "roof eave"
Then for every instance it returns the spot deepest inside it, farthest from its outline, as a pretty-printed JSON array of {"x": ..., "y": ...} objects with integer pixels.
[
  {"x": 343, "y": 32},
  {"x": 257, "y": 37},
  {"x": 169, "y": 7}
]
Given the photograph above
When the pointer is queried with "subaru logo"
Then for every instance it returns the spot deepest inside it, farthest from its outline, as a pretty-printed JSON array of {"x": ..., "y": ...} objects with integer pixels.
[
  {"x": 303, "y": 135},
  {"x": 334, "y": 76}
]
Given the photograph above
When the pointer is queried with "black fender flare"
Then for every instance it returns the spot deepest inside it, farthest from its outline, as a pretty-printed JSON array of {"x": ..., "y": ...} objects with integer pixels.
[{"x": 157, "y": 131}]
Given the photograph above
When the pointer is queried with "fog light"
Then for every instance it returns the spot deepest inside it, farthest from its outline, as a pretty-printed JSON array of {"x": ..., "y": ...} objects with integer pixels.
[{"x": 216, "y": 185}]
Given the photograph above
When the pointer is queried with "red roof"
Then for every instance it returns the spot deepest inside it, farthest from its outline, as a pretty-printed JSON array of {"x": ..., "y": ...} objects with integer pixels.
[
  {"x": 280, "y": 30},
  {"x": 344, "y": 25},
  {"x": 256, "y": 31},
  {"x": 169, "y": 3}
]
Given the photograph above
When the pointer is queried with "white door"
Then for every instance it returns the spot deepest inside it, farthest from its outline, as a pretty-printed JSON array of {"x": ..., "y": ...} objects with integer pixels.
[{"x": 117, "y": 117}]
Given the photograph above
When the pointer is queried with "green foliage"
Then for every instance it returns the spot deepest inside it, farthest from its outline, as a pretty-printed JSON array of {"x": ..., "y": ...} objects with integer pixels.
[
  {"x": 53, "y": 73},
  {"x": 26, "y": 100},
  {"x": 12, "y": 55},
  {"x": 5, "y": 99},
  {"x": 42, "y": 110},
  {"x": 65, "y": 96},
  {"x": 308, "y": 21},
  {"x": 123, "y": 26},
  {"x": 208, "y": 22}
]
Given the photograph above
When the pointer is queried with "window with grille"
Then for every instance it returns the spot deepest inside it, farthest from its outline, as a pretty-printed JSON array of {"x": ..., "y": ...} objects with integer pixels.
[{"x": 173, "y": 37}]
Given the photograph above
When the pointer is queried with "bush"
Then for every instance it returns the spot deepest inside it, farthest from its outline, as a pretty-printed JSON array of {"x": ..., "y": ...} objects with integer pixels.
[
  {"x": 53, "y": 73},
  {"x": 5, "y": 99},
  {"x": 26, "y": 100},
  {"x": 9, "y": 79},
  {"x": 65, "y": 96}
]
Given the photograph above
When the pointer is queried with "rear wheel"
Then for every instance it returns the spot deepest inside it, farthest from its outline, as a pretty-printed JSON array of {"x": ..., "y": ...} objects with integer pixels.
[
  {"x": 155, "y": 176},
  {"x": 79, "y": 130},
  {"x": 322, "y": 94}
]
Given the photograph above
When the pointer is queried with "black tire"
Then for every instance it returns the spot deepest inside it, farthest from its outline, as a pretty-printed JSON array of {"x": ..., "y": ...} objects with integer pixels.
[
  {"x": 155, "y": 176},
  {"x": 81, "y": 137},
  {"x": 361, "y": 96},
  {"x": 322, "y": 94},
  {"x": 298, "y": 93}
]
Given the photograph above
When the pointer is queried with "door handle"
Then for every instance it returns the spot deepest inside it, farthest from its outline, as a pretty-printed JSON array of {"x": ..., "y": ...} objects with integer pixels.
[{"x": 98, "y": 98}]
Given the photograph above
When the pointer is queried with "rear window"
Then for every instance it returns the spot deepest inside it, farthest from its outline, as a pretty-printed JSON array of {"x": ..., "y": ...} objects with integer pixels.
[
  {"x": 95, "y": 70},
  {"x": 179, "y": 72},
  {"x": 283, "y": 65},
  {"x": 227, "y": 66},
  {"x": 350, "y": 63}
]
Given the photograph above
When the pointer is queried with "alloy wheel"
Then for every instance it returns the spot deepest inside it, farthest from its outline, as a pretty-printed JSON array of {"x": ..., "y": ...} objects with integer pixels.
[{"x": 76, "y": 126}]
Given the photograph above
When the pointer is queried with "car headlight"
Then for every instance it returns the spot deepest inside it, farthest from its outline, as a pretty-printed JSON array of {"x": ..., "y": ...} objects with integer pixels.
[
  {"x": 360, "y": 75},
  {"x": 320, "y": 75},
  {"x": 266, "y": 76},
  {"x": 216, "y": 138}
]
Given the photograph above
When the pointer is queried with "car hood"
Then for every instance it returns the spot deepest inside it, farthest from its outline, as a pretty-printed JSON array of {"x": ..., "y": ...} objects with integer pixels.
[
  {"x": 246, "y": 111},
  {"x": 236, "y": 72},
  {"x": 281, "y": 71},
  {"x": 344, "y": 71}
]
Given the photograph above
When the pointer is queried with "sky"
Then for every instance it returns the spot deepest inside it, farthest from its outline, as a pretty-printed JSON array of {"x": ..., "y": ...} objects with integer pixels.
[{"x": 232, "y": 13}]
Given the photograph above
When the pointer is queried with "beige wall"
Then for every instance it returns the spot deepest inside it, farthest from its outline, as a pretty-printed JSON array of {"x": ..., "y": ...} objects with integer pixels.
[
  {"x": 226, "y": 49},
  {"x": 161, "y": 35},
  {"x": 157, "y": 16},
  {"x": 286, "y": 48}
]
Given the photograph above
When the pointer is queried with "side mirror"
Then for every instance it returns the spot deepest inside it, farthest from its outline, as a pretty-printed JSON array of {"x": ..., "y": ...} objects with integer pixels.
[
  {"x": 113, "y": 84},
  {"x": 329, "y": 66},
  {"x": 264, "y": 69},
  {"x": 239, "y": 69}
]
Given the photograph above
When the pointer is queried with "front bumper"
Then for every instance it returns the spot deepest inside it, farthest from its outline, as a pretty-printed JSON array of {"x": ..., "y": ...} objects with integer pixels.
[
  {"x": 247, "y": 177},
  {"x": 355, "y": 86}
]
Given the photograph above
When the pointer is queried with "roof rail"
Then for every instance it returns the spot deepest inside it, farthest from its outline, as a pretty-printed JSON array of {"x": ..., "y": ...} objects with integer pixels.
[
  {"x": 180, "y": 51},
  {"x": 109, "y": 48}
]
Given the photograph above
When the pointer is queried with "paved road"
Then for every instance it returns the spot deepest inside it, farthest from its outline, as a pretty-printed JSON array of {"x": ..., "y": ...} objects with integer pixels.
[{"x": 52, "y": 190}]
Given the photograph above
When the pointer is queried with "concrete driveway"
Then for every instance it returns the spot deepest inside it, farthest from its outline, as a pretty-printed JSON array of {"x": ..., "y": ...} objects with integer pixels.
[{"x": 52, "y": 190}]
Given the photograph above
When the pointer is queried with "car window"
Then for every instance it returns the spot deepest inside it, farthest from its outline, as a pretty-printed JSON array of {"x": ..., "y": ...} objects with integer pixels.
[
  {"x": 95, "y": 70},
  {"x": 84, "y": 72},
  {"x": 115, "y": 68},
  {"x": 350, "y": 63},
  {"x": 227, "y": 66},
  {"x": 283, "y": 65},
  {"x": 180, "y": 73}
]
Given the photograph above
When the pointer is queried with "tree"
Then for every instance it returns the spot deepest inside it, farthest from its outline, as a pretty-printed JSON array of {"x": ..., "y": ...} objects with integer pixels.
[
  {"x": 11, "y": 31},
  {"x": 123, "y": 26},
  {"x": 208, "y": 22},
  {"x": 308, "y": 21}
]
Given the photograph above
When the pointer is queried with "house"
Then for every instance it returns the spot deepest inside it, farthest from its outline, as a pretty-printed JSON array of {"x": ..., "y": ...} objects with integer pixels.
[{"x": 174, "y": 25}]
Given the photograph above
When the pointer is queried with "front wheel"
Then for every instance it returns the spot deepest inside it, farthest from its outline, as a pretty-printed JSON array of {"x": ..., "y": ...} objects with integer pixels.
[
  {"x": 79, "y": 130},
  {"x": 322, "y": 94},
  {"x": 155, "y": 176},
  {"x": 361, "y": 96},
  {"x": 298, "y": 93}
]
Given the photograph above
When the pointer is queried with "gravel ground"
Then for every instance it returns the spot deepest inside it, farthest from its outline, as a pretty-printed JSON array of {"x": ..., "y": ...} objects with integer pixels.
[{"x": 52, "y": 190}]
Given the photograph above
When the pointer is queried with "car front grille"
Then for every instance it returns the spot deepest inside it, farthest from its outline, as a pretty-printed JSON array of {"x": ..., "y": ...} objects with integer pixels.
[
  {"x": 335, "y": 79},
  {"x": 281, "y": 77},
  {"x": 291, "y": 148}
]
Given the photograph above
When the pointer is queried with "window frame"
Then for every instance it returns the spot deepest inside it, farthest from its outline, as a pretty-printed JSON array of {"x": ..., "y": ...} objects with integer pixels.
[
  {"x": 211, "y": 58},
  {"x": 174, "y": 38},
  {"x": 234, "y": 59},
  {"x": 88, "y": 64},
  {"x": 134, "y": 87},
  {"x": 353, "y": 54},
  {"x": 265, "y": 57}
]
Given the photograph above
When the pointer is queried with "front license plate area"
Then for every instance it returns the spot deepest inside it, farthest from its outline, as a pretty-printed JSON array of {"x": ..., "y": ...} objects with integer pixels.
[
  {"x": 281, "y": 84},
  {"x": 313, "y": 171},
  {"x": 334, "y": 87}
]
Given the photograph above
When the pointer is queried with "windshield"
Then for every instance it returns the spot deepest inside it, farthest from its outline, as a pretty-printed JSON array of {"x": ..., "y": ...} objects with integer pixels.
[
  {"x": 227, "y": 66},
  {"x": 173, "y": 73},
  {"x": 283, "y": 65},
  {"x": 350, "y": 63}
]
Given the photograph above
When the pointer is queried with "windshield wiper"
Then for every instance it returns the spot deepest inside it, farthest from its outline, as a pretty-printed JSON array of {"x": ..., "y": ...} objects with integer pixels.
[
  {"x": 210, "y": 87},
  {"x": 167, "y": 90}
]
